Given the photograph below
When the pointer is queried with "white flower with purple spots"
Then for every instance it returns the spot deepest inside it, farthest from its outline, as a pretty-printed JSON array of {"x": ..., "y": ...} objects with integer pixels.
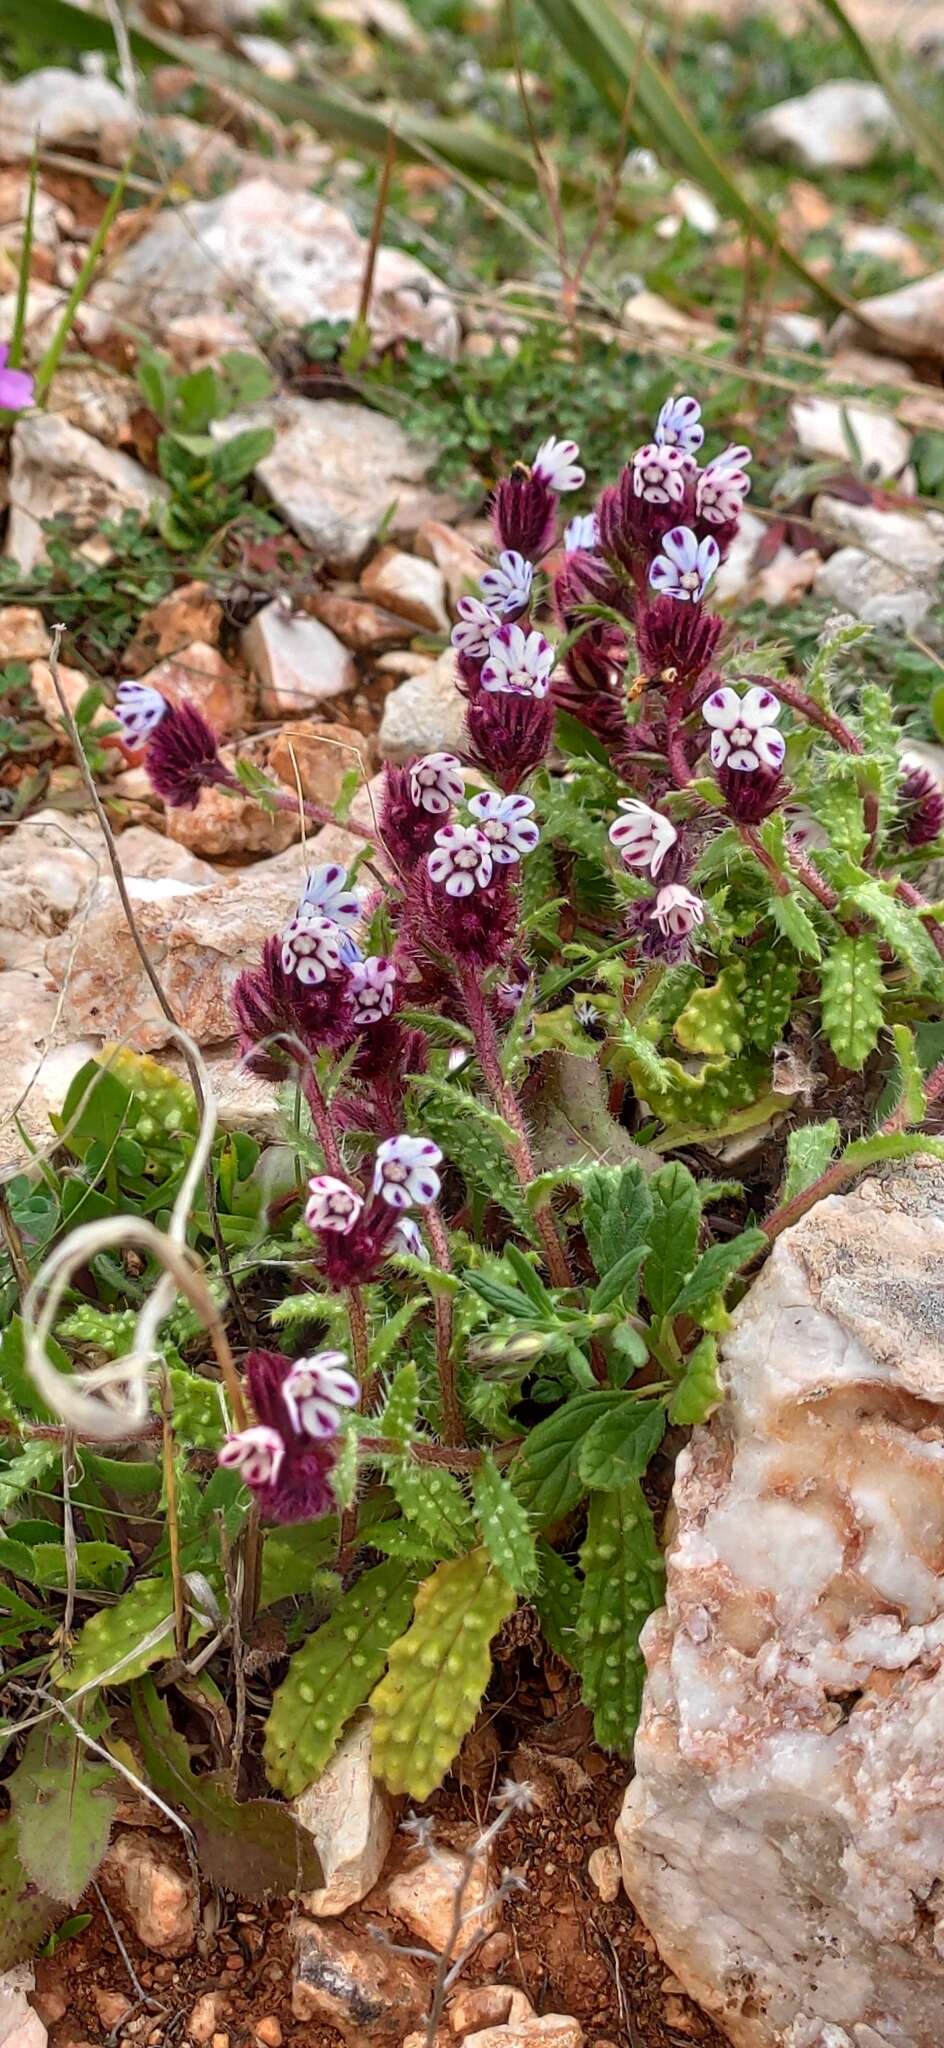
[
  {"x": 581, "y": 532},
  {"x": 314, "y": 1392},
  {"x": 686, "y": 565},
  {"x": 519, "y": 664},
  {"x": 405, "y": 1172},
  {"x": 371, "y": 989},
  {"x": 312, "y": 947},
  {"x": 331, "y": 1204},
  {"x": 139, "y": 711},
  {"x": 507, "y": 824},
  {"x": 436, "y": 782},
  {"x": 677, "y": 911},
  {"x": 642, "y": 836},
  {"x": 257, "y": 1453},
  {"x": 461, "y": 859},
  {"x": 744, "y": 732},
  {"x": 326, "y": 892},
  {"x": 556, "y": 464},
  {"x": 406, "y": 1236},
  {"x": 507, "y": 587},
  {"x": 722, "y": 486},
  {"x": 660, "y": 474},
  {"x": 679, "y": 426},
  {"x": 477, "y": 622}
]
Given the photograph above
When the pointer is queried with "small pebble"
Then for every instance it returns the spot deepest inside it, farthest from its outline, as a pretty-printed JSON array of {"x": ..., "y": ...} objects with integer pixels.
[
  {"x": 269, "y": 2032},
  {"x": 235, "y": 1965}
]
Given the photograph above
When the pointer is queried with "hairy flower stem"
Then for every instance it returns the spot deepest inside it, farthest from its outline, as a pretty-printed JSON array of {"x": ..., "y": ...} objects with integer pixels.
[
  {"x": 321, "y": 1118},
  {"x": 442, "y": 1308},
  {"x": 807, "y": 707},
  {"x": 907, "y": 893},
  {"x": 675, "y": 746},
  {"x": 800, "y": 867},
  {"x": 505, "y": 1100}
]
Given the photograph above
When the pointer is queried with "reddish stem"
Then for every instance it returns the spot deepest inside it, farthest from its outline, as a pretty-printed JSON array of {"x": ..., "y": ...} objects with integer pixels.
[
  {"x": 505, "y": 1100},
  {"x": 907, "y": 893},
  {"x": 842, "y": 1170}
]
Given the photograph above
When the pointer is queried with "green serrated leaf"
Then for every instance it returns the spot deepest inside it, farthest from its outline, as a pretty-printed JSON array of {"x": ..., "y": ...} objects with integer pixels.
[
  {"x": 809, "y": 1151},
  {"x": 63, "y": 1801},
  {"x": 384, "y": 1341},
  {"x": 901, "y": 927},
  {"x": 505, "y": 1527},
  {"x": 621, "y": 1283},
  {"x": 699, "y": 1391},
  {"x": 545, "y": 1474},
  {"x": 433, "y": 1498},
  {"x": 714, "y": 1269},
  {"x": 911, "y": 1095},
  {"x": 25, "y": 1471},
  {"x": 122, "y": 1642},
  {"x": 332, "y": 1674},
  {"x": 713, "y": 1018},
  {"x": 615, "y": 1211},
  {"x": 398, "y": 1416},
  {"x": 199, "y": 1415},
  {"x": 623, "y": 1580},
  {"x": 673, "y": 1234},
  {"x": 770, "y": 984},
  {"x": 852, "y": 995},
  {"x": 619, "y": 1445},
  {"x": 796, "y": 925},
  {"x": 437, "y": 1673},
  {"x": 839, "y": 807},
  {"x": 557, "y": 1601}
]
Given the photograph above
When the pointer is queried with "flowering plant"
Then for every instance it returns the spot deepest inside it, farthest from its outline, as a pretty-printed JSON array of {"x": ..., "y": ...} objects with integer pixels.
[{"x": 661, "y": 909}]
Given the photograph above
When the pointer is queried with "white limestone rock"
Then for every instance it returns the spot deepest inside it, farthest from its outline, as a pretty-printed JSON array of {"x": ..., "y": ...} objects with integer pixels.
[
  {"x": 299, "y": 662},
  {"x": 908, "y": 321},
  {"x": 351, "y": 1817},
  {"x": 784, "y": 1835},
  {"x": 839, "y": 126},
  {"x": 293, "y": 256},
  {"x": 65, "y": 110},
  {"x": 820, "y": 426},
  {"x": 58, "y": 470},
  {"x": 888, "y": 562},
  {"x": 423, "y": 714}
]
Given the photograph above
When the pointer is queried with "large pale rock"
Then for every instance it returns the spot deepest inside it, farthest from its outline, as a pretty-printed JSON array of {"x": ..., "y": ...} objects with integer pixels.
[
  {"x": 423, "y": 1895},
  {"x": 908, "y": 321},
  {"x": 90, "y": 396},
  {"x": 820, "y": 425},
  {"x": 154, "y": 1890},
  {"x": 294, "y": 257},
  {"x": 20, "y": 2025},
  {"x": 65, "y": 110},
  {"x": 888, "y": 562},
  {"x": 784, "y": 1835},
  {"x": 51, "y": 866},
  {"x": 408, "y": 585},
  {"x": 339, "y": 473},
  {"x": 461, "y": 564},
  {"x": 200, "y": 675},
  {"x": 60, "y": 471},
  {"x": 299, "y": 662},
  {"x": 424, "y": 714},
  {"x": 351, "y": 1818},
  {"x": 841, "y": 125},
  {"x": 199, "y": 945},
  {"x": 33, "y": 1079}
]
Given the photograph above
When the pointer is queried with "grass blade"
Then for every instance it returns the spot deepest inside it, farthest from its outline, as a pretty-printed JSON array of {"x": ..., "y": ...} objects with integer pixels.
[
  {"x": 23, "y": 281},
  {"x": 50, "y": 361},
  {"x": 598, "y": 40},
  {"x": 913, "y": 119}
]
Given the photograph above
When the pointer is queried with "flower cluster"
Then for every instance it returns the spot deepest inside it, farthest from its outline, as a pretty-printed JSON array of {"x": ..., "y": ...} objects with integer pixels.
[
  {"x": 286, "y": 1458},
  {"x": 358, "y": 1231},
  {"x": 181, "y": 751}
]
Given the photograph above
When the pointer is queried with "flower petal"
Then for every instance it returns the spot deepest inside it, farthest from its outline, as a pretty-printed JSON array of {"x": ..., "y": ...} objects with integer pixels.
[{"x": 722, "y": 709}]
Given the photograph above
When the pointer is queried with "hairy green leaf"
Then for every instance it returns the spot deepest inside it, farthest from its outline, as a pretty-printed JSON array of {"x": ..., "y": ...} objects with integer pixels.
[
  {"x": 699, "y": 1390},
  {"x": 332, "y": 1674},
  {"x": 615, "y": 1211},
  {"x": 673, "y": 1234},
  {"x": 545, "y": 1473},
  {"x": 505, "y": 1527},
  {"x": 27, "y": 1913},
  {"x": 809, "y": 1151},
  {"x": 623, "y": 1579},
  {"x": 713, "y": 1019},
  {"x": 714, "y": 1269},
  {"x": 437, "y": 1673},
  {"x": 63, "y": 1801},
  {"x": 557, "y": 1601},
  {"x": 852, "y": 996},
  {"x": 433, "y": 1498},
  {"x": 619, "y": 1445}
]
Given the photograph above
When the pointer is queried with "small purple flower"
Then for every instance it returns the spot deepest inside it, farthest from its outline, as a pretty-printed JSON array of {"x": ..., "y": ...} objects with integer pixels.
[
  {"x": 556, "y": 464},
  {"x": 507, "y": 825},
  {"x": 922, "y": 800},
  {"x": 477, "y": 621},
  {"x": 519, "y": 664},
  {"x": 744, "y": 729},
  {"x": 686, "y": 566},
  {"x": 139, "y": 711},
  {"x": 659, "y": 474},
  {"x": 642, "y": 836},
  {"x": 404, "y": 1172},
  {"x": 371, "y": 989},
  {"x": 331, "y": 1204},
  {"x": 677, "y": 911},
  {"x": 406, "y": 1236},
  {"x": 327, "y": 893},
  {"x": 257, "y": 1453},
  {"x": 312, "y": 946},
  {"x": 581, "y": 532},
  {"x": 436, "y": 782},
  {"x": 507, "y": 587},
  {"x": 679, "y": 425},
  {"x": 461, "y": 859},
  {"x": 16, "y": 386},
  {"x": 722, "y": 486},
  {"x": 315, "y": 1389}
]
